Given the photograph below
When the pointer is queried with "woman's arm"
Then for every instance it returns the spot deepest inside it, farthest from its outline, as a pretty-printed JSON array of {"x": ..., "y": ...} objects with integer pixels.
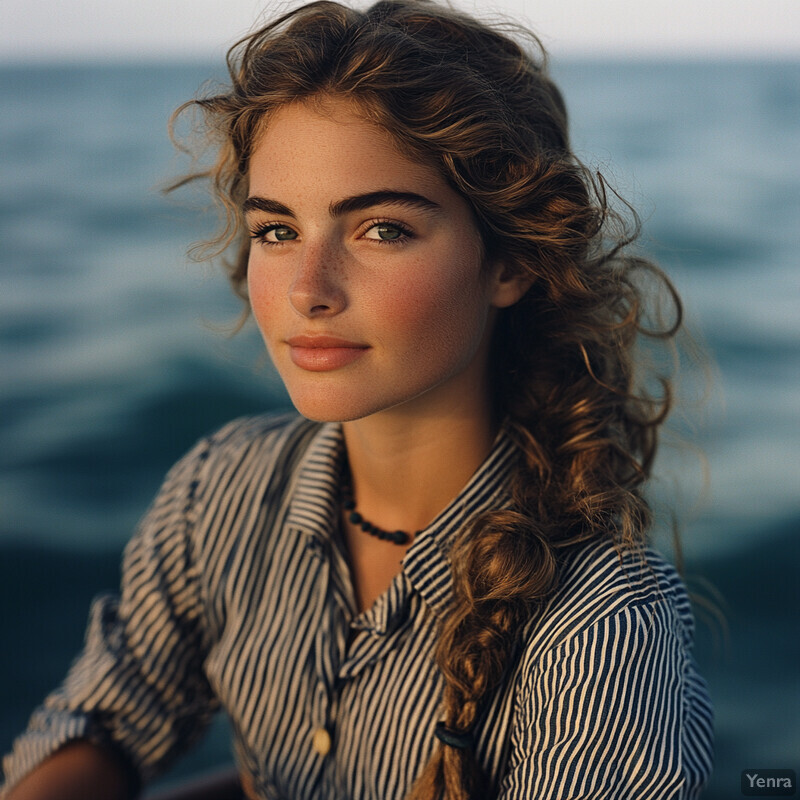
[
  {"x": 139, "y": 683},
  {"x": 78, "y": 771}
]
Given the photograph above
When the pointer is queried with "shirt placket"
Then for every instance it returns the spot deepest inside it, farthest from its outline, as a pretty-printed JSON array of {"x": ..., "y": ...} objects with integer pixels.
[{"x": 330, "y": 650}]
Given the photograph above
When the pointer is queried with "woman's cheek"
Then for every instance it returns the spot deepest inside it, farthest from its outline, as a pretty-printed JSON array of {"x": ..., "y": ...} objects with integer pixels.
[
  {"x": 444, "y": 316},
  {"x": 410, "y": 308},
  {"x": 262, "y": 296}
]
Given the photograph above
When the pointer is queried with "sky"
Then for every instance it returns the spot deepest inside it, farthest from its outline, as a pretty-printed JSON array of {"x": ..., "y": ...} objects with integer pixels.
[{"x": 54, "y": 30}]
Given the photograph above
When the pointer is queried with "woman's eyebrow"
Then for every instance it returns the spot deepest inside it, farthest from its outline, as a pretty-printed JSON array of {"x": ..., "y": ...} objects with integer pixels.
[
  {"x": 358, "y": 202},
  {"x": 255, "y": 203}
]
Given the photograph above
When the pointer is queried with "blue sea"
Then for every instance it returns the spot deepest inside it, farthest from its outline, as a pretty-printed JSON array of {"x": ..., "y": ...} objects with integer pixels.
[{"x": 116, "y": 354}]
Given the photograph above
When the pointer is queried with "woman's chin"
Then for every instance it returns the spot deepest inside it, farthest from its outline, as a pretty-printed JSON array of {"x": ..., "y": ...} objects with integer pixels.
[{"x": 330, "y": 406}]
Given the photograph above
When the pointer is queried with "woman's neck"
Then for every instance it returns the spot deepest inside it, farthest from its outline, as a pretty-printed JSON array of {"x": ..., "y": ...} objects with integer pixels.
[{"x": 405, "y": 471}]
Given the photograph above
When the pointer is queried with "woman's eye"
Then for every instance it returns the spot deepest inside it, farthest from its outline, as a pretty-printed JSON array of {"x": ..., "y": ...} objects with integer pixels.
[
  {"x": 274, "y": 234},
  {"x": 386, "y": 232}
]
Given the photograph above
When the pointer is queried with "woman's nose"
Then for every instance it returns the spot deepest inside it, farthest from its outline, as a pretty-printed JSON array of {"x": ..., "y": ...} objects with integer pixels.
[{"x": 317, "y": 288}]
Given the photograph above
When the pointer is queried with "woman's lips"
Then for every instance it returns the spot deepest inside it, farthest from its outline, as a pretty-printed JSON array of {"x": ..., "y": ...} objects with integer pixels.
[{"x": 323, "y": 353}]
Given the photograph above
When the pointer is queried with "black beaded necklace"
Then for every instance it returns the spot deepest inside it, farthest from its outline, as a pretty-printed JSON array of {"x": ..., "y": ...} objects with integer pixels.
[{"x": 349, "y": 505}]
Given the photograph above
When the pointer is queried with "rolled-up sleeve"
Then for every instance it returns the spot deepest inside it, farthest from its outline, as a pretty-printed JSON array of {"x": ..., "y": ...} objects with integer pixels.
[
  {"x": 138, "y": 686},
  {"x": 608, "y": 715}
]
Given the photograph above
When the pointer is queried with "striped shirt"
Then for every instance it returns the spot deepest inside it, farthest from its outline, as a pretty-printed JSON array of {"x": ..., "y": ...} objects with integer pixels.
[{"x": 237, "y": 595}]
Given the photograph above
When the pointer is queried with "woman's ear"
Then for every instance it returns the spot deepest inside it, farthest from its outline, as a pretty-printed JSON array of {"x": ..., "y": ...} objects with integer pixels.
[{"x": 508, "y": 284}]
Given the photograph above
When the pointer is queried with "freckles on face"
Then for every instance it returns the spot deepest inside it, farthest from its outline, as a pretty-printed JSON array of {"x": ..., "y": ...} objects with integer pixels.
[{"x": 357, "y": 247}]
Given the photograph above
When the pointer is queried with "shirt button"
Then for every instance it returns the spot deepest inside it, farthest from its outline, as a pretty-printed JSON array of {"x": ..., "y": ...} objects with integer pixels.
[{"x": 321, "y": 742}]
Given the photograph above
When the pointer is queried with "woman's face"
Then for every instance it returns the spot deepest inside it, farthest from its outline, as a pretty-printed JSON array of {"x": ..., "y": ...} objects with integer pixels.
[{"x": 366, "y": 274}]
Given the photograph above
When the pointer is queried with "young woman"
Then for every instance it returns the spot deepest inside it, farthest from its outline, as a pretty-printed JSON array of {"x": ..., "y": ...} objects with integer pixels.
[{"x": 434, "y": 582}]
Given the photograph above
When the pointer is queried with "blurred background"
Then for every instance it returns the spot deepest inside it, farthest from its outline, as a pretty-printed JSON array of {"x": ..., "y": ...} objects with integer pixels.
[{"x": 115, "y": 351}]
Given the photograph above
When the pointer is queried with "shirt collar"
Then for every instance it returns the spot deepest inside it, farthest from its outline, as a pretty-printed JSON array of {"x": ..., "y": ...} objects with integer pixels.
[
  {"x": 314, "y": 507},
  {"x": 314, "y": 495},
  {"x": 427, "y": 562}
]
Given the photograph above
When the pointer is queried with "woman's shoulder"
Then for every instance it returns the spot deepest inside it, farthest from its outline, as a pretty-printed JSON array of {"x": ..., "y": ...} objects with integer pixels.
[
  {"x": 256, "y": 451},
  {"x": 273, "y": 440},
  {"x": 607, "y": 686},
  {"x": 608, "y": 701},
  {"x": 601, "y": 586}
]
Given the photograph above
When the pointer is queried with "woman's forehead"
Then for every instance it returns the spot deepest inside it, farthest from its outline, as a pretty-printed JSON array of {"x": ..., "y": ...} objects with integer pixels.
[
  {"x": 363, "y": 115},
  {"x": 332, "y": 138}
]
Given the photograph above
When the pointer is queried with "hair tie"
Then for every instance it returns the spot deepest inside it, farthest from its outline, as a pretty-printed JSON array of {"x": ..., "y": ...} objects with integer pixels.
[{"x": 461, "y": 741}]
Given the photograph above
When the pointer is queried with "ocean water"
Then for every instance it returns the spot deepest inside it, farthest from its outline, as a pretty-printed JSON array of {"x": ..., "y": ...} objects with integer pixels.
[{"x": 115, "y": 353}]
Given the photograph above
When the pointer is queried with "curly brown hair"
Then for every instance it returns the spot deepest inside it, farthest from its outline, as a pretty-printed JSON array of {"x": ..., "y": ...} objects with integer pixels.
[{"x": 476, "y": 101}]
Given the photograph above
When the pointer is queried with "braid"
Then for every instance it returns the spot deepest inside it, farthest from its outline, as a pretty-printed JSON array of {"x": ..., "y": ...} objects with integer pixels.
[{"x": 501, "y": 566}]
